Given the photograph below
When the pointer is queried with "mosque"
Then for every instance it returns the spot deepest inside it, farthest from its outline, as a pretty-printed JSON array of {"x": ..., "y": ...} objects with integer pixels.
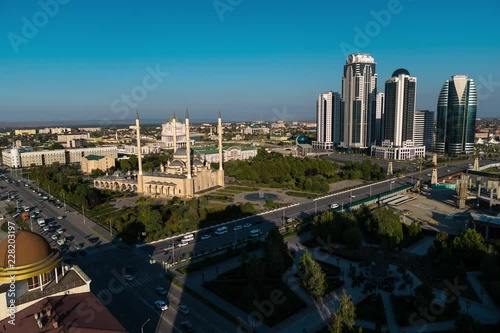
[{"x": 185, "y": 176}]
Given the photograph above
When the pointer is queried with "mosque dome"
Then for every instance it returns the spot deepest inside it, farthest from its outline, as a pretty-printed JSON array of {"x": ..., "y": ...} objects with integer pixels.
[
  {"x": 197, "y": 162},
  {"x": 302, "y": 139},
  {"x": 176, "y": 163}
]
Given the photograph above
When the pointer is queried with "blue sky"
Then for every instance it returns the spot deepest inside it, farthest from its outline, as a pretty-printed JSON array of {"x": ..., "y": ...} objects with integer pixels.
[{"x": 256, "y": 57}]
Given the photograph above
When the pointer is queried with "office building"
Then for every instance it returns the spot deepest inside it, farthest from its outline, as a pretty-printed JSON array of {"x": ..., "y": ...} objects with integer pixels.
[
  {"x": 90, "y": 163},
  {"x": 423, "y": 129},
  {"x": 400, "y": 99},
  {"x": 327, "y": 121},
  {"x": 456, "y": 116},
  {"x": 359, "y": 88},
  {"x": 379, "y": 118}
]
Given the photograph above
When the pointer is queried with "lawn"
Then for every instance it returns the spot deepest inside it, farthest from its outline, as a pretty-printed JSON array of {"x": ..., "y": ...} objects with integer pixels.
[
  {"x": 371, "y": 309},
  {"x": 242, "y": 188},
  {"x": 232, "y": 286}
]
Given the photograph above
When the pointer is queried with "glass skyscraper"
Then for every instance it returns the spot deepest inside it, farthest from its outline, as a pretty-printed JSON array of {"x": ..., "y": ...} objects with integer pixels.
[{"x": 456, "y": 116}]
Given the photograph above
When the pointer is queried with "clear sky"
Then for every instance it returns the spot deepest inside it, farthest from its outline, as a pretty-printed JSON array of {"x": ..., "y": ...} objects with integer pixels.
[{"x": 251, "y": 57}]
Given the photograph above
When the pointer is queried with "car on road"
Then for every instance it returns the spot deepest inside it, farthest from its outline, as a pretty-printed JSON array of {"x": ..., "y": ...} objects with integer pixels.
[
  {"x": 333, "y": 206},
  {"x": 182, "y": 243},
  {"x": 290, "y": 220},
  {"x": 161, "y": 291},
  {"x": 247, "y": 225},
  {"x": 128, "y": 277},
  {"x": 162, "y": 305},
  {"x": 60, "y": 217},
  {"x": 187, "y": 326},
  {"x": 46, "y": 228},
  {"x": 55, "y": 236},
  {"x": 79, "y": 246},
  {"x": 60, "y": 231},
  {"x": 353, "y": 196},
  {"x": 221, "y": 231},
  {"x": 61, "y": 241},
  {"x": 184, "y": 309},
  {"x": 94, "y": 239},
  {"x": 206, "y": 236},
  {"x": 168, "y": 248},
  {"x": 255, "y": 233},
  {"x": 237, "y": 228}
]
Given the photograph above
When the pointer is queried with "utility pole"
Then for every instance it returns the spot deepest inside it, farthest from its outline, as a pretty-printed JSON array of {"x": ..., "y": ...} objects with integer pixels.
[
  {"x": 83, "y": 213},
  {"x": 110, "y": 230}
]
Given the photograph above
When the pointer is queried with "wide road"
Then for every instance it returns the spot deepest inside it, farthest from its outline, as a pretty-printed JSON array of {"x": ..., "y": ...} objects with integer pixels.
[{"x": 267, "y": 221}]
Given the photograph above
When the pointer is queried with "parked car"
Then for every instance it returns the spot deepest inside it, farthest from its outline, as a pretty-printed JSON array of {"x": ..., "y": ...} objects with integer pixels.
[
  {"x": 237, "y": 228},
  {"x": 247, "y": 225},
  {"x": 187, "y": 326},
  {"x": 161, "y": 291},
  {"x": 162, "y": 305},
  {"x": 60, "y": 231},
  {"x": 54, "y": 236},
  {"x": 60, "y": 217},
  {"x": 206, "y": 236},
  {"x": 184, "y": 309}
]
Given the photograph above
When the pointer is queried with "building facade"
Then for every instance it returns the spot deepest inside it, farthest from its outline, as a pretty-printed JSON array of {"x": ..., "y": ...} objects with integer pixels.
[
  {"x": 185, "y": 176},
  {"x": 400, "y": 99},
  {"x": 66, "y": 137},
  {"x": 173, "y": 133},
  {"x": 18, "y": 158},
  {"x": 456, "y": 116},
  {"x": 327, "y": 121},
  {"x": 379, "y": 118},
  {"x": 423, "y": 130},
  {"x": 406, "y": 152},
  {"x": 359, "y": 89},
  {"x": 210, "y": 154},
  {"x": 96, "y": 162}
]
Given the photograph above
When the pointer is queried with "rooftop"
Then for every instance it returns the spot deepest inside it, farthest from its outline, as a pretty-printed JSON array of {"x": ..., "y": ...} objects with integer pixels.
[{"x": 94, "y": 157}]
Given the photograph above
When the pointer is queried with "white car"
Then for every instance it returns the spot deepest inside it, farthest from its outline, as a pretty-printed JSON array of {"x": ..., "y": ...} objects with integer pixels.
[
  {"x": 61, "y": 241},
  {"x": 60, "y": 217},
  {"x": 247, "y": 225},
  {"x": 238, "y": 227},
  {"x": 290, "y": 220},
  {"x": 333, "y": 206},
  {"x": 205, "y": 236},
  {"x": 162, "y": 305},
  {"x": 46, "y": 228},
  {"x": 54, "y": 236},
  {"x": 181, "y": 244},
  {"x": 60, "y": 231},
  {"x": 2, "y": 217}
]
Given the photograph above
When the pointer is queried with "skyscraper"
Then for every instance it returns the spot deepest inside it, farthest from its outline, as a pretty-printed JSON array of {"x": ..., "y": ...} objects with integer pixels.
[
  {"x": 327, "y": 120},
  {"x": 423, "y": 130},
  {"x": 400, "y": 98},
  {"x": 456, "y": 116},
  {"x": 359, "y": 87},
  {"x": 379, "y": 118}
]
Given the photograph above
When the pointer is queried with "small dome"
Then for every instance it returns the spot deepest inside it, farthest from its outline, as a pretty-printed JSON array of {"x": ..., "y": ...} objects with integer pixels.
[
  {"x": 176, "y": 163},
  {"x": 30, "y": 249},
  {"x": 197, "y": 162},
  {"x": 180, "y": 151},
  {"x": 400, "y": 71},
  {"x": 302, "y": 139}
]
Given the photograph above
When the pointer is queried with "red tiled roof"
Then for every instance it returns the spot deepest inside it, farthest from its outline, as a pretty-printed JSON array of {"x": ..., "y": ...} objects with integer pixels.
[{"x": 75, "y": 313}]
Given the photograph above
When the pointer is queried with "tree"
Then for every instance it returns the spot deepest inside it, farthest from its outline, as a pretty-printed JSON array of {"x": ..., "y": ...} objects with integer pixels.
[
  {"x": 345, "y": 315},
  {"x": 312, "y": 277},
  {"x": 388, "y": 224},
  {"x": 276, "y": 253}
]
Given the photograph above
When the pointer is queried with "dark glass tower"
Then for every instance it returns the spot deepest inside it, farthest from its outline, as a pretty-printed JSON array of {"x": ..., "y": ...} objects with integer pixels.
[
  {"x": 400, "y": 99},
  {"x": 456, "y": 116}
]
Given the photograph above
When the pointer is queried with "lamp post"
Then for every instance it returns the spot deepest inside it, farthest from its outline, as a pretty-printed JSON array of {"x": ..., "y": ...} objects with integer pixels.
[{"x": 142, "y": 327}]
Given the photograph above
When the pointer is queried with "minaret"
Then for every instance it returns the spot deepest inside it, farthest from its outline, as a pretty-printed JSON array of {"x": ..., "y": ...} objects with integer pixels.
[
  {"x": 174, "y": 126},
  {"x": 140, "y": 185},
  {"x": 188, "y": 147},
  {"x": 220, "y": 173},
  {"x": 219, "y": 132}
]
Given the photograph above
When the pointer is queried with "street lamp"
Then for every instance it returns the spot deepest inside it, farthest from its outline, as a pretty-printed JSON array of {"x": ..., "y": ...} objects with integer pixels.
[{"x": 142, "y": 327}]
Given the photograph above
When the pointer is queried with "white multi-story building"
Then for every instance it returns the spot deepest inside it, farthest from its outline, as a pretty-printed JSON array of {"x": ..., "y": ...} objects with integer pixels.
[
  {"x": 167, "y": 133},
  {"x": 19, "y": 158},
  {"x": 359, "y": 88},
  {"x": 54, "y": 130},
  {"x": 391, "y": 152},
  {"x": 66, "y": 137},
  {"x": 379, "y": 118},
  {"x": 423, "y": 129},
  {"x": 146, "y": 149},
  {"x": 210, "y": 154},
  {"x": 327, "y": 120}
]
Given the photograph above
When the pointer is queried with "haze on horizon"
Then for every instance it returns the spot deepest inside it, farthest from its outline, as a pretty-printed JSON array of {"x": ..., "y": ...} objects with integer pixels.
[{"x": 81, "y": 60}]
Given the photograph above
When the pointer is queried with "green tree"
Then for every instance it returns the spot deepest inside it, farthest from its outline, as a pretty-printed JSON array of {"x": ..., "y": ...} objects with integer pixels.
[
  {"x": 276, "y": 253},
  {"x": 313, "y": 277},
  {"x": 347, "y": 310}
]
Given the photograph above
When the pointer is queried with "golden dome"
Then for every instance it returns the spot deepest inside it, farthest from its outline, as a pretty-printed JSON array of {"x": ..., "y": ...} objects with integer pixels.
[{"x": 33, "y": 255}]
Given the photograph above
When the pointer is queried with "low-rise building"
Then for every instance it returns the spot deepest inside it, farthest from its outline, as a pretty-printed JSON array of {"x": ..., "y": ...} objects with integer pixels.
[
  {"x": 66, "y": 137},
  {"x": 96, "y": 162},
  {"x": 210, "y": 154},
  {"x": 406, "y": 152},
  {"x": 25, "y": 131}
]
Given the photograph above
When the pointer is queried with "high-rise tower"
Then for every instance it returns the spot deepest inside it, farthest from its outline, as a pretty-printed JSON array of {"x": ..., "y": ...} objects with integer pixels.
[
  {"x": 456, "y": 116},
  {"x": 359, "y": 89},
  {"x": 327, "y": 120},
  {"x": 400, "y": 99},
  {"x": 379, "y": 118}
]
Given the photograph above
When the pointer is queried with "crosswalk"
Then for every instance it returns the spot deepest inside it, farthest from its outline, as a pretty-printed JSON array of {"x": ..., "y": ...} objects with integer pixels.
[
  {"x": 100, "y": 248},
  {"x": 143, "y": 280}
]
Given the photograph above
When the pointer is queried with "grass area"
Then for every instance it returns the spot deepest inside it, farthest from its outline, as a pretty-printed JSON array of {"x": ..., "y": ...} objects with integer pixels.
[
  {"x": 270, "y": 204},
  {"x": 404, "y": 309},
  {"x": 492, "y": 288},
  {"x": 5, "y": 226},
  {"x": 302, "y": 194},
  {"x": 242, "y": 188},
  {"x": 332, "y": 276},
  {"x": 221, "y": 198},
  {"x": 228, "y": 191},
  {"x": 371, "y": 309},
  {"x": 233, "y": 287}
]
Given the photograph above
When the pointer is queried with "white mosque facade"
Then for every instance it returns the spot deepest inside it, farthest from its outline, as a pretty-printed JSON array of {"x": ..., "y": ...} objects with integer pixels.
[{"x": 185, "y": 176}]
